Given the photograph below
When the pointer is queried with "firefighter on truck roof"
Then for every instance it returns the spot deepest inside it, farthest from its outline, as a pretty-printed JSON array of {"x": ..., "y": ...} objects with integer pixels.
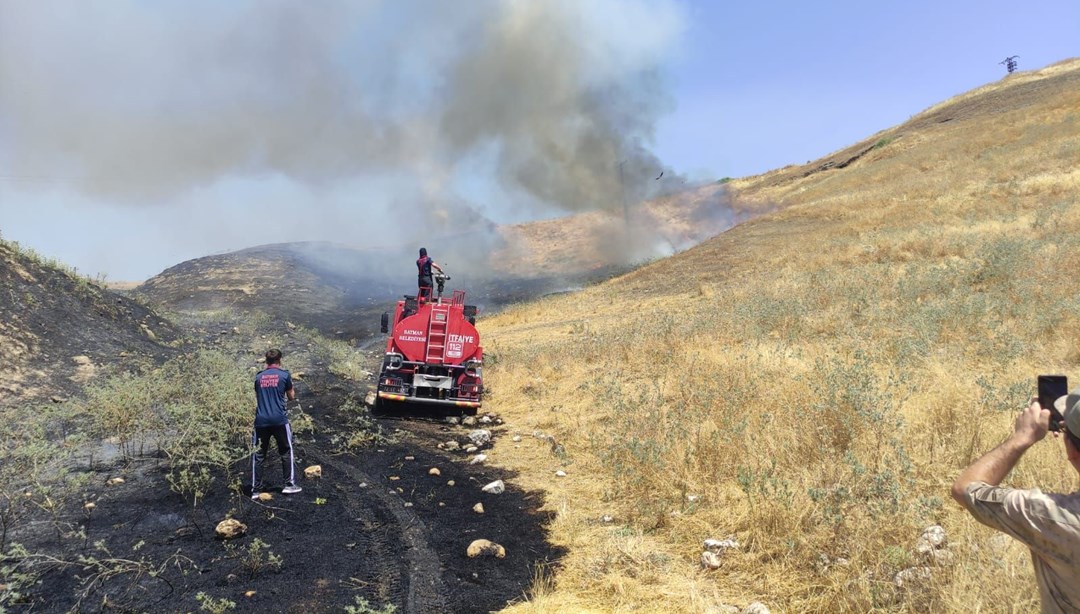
[{"x": 424, "y": 264}]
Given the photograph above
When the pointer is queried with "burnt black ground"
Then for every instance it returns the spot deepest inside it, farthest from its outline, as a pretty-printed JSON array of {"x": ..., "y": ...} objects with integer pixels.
[
  {"x": 349, "y": 533},
  {"x": 377, "y": 525},
  {"x": 49, "y": 316}
]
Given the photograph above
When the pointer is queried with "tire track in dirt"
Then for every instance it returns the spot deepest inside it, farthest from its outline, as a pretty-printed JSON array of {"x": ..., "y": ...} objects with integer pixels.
[{"x": 424, "y": 591}]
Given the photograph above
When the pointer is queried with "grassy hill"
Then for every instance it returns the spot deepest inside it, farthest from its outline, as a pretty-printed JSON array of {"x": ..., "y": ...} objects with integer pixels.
[
  {"x": 810, "y": 382},
  {"x": 58, "y": 330}
]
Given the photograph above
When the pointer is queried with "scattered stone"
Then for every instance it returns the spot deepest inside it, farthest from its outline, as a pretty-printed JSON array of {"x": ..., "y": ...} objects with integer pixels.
[
  {"x": 452, "y": 445},
  {"x": 480, "y": 437},
  {"x": 693, "y": 498},
  {"x": 441, "y": 504},
  {"x": 434, "y": 471},
  {"x": 483, "y": 547},
  {"x": 395, "y": 478},
  {"x": 454, "y": 420},
  {"x": 485, "y": 419},
  {"x": 560, "y": 474},
  {"x": 265, "y": 496},
  {"x": 720, "y": 546},
  {"x": 821, "y": 565},
  {"x": 516, "y": 438},
  {"x": 89, "y": 506},
  {"x": 115, "y": 481},
  {"x": 721, "y": 608},
  {"x": 249, "y": 594},
  {"x": 496, "y": 488},
  {"x": 468, "y": 421},
  {"x": 756, "y": 608},
  {"x": 942, "y": 557},
  {"x": 710, "y": 560},
  {"x": 450, "y": 482},
  {"x": 932, "y": 538},
  {"x": 369, "y": 400},
  {"x": 607, "y": 519},
  {"x": 408, "y": 504},
  {"x": 471, "y": 449},
  {"x": 313, "y": 472},
  {"x": 479, "y": 458},
  {"x": 236, "y": 330},
  {"x": 230, "y": 528},
  {"x": 912, "y": 575},
  {"x": 410, "y": 458},
  {"x": 478, "y": 508}
]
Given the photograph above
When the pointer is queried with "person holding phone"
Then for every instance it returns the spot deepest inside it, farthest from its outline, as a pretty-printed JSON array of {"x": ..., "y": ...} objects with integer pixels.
[{"x": 1047, "y": 523}]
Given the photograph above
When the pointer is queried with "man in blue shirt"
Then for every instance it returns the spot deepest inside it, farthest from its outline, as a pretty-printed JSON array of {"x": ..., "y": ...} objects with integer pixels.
[{"x": 273, "y": 385}]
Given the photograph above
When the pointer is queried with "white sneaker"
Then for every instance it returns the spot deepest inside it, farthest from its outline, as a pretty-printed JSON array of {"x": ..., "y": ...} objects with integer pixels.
[{"x": 292, "y": 489}]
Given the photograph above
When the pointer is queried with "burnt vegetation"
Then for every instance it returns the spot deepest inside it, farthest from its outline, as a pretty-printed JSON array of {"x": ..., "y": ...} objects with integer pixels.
[{"x": 125, "y": 434}]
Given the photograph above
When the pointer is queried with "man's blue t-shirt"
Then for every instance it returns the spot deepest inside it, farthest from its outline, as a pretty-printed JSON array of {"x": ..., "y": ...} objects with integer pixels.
[{"x": 271, "y": 384}]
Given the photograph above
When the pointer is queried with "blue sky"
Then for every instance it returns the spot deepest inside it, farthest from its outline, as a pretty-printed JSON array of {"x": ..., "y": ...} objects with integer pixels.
[
  {"x": 319, "y": 125},
  {"x": 763, "y": 84}
]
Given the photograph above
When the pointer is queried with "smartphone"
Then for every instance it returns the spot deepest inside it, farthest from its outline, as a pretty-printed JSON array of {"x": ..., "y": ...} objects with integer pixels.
[{"x": 1052, "y": 388}]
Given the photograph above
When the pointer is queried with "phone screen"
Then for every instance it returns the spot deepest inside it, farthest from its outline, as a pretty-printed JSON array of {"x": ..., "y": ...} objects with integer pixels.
[{"x": 1051, "y": 388}]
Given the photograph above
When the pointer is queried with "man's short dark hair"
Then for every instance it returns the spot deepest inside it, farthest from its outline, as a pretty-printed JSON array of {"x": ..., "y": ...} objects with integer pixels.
[
  {"x": 423, "y": 251},
  {"x": 273, "y": 357}
]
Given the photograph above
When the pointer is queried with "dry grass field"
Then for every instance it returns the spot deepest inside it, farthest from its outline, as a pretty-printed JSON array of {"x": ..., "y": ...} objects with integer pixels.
[{"x": 811, "y": 381}]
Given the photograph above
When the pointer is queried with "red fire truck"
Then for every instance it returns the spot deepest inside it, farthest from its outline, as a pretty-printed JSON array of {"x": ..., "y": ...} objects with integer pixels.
[{"x": 433, "y": 354}]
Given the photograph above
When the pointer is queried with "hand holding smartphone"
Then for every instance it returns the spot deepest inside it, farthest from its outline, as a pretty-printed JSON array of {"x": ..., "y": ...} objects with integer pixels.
[{"x": 1051, "y": 388}]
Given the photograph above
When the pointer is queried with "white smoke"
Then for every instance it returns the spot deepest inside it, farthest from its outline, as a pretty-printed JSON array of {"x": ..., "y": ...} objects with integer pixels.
[{"x": 137, "y": 101}]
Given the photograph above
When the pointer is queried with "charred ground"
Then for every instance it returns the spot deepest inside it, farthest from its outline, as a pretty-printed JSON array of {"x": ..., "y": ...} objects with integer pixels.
[
  {"x": 377, "y": 526},
  {"x": 57, "y": 330}
]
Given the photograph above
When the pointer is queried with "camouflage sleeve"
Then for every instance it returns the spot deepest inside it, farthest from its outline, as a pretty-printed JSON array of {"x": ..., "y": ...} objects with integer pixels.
[{"x": 1008, "y": 510}]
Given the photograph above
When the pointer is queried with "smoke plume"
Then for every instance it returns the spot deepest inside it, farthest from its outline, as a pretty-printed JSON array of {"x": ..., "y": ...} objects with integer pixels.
[{"x": 459, "y": 113}]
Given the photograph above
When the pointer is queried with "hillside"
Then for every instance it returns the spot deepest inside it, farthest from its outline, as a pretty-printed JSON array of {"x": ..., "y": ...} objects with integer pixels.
[
  {"x": 809, "y": 383},
  {"x": 602, "y": 239},
  {"x": 340, "y": 290},
  {"x": 323, "y": 285},
  {"x": 58, "y": 330},
  {"x": 802, "y": 389}
]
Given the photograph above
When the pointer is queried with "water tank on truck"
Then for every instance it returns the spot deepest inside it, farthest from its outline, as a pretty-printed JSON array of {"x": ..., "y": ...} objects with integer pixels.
[{"x": 433, "y": 354}]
